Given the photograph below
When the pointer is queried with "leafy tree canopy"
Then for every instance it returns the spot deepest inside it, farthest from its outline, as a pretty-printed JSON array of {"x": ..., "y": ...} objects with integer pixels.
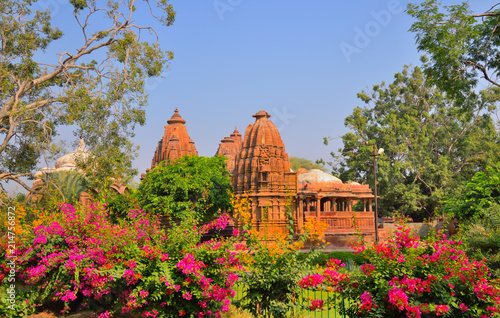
[
  {"x": 464, "y": 48},
  {"x": 98, "y": 86},
  {"x": 480, "y": 194},
  {"x": 190, "y": 185},
  {"x": 432, "y": 145},
  {"x": 297, "y": 163}
]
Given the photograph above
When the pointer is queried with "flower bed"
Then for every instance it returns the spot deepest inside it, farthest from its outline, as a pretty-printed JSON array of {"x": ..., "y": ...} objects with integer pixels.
[
  {"x": 82, "y": 260},
  {"x": 406, "y": 276}
]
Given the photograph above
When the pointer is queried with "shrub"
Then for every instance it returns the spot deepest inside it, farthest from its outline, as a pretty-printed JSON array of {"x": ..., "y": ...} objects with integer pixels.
[
  {"x": 406, "y": 276},
  {"x": 82, "y": 260},
  {"x": 478, "y": 195},
  {"x": 321, "y": 259}
]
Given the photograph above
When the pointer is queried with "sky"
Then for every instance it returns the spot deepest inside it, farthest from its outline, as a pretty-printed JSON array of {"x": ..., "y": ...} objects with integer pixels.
[{"x": 302, "y": 62}]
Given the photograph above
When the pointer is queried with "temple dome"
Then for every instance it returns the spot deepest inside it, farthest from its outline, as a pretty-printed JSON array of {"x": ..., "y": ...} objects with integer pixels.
[
  {"x": 263, "y": 132},
  {"x": 70, "y": 160},
  {"x": 317, "y": 176}
]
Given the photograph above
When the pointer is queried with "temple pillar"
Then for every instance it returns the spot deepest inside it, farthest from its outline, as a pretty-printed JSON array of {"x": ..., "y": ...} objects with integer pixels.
[
  {"x": 318, "y": 206},
  {"x": 370, "y": 205},
  {"x": 300, "y": 216}
]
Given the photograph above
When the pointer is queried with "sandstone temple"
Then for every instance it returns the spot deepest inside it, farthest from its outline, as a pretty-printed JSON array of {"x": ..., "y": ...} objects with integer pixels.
[{"x": 260, "y": 168}]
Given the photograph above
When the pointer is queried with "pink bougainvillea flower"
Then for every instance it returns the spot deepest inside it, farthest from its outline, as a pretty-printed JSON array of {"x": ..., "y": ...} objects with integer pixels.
[{"x": 316, "y": 304}]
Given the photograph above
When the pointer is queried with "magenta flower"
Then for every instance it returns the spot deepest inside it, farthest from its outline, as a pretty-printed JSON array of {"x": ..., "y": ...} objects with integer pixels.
[
  {"x": 316, "y": 304},
  {"x": 463, "y": 307}
]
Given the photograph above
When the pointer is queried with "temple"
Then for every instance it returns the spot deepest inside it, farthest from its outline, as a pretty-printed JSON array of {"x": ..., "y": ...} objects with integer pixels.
[
  {"x": 175, "y": 143},
  {"x": 230, "y": 147},
  {"x": 260, "y": 169},
  {"x": 345, "y": 207}
]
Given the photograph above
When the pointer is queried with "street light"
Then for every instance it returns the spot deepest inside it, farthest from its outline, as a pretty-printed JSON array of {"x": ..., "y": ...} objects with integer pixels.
[{"x": 376, "y": 153}]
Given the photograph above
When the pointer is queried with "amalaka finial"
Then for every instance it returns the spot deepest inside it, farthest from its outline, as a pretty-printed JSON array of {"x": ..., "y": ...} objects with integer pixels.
[
  {"x": 261, "y": 114},
  {"x": 176, "y": 118}
]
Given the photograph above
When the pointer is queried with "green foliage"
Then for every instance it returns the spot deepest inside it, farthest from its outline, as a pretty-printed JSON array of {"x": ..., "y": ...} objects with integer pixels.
[
  {"x": 297, "y": 163},
  {"x": 477, "y": 196},
  {"x": 482, "y": 237},
  {"x": 432, "y": 145},
  {"x": 63, "y": 186},
  {"x": 463, "y": 47},
  {"x": 198, "y": 185},
  {"x": 118, "y": 205},
  {"x": 97, "y": 86},
  {"x": 270, "y": 289},
  {"x": 321, "y": 259}
]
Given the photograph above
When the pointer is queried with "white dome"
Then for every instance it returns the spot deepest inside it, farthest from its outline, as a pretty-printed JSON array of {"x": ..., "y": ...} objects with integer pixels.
[
  {"x": 69, "y": 160},
  {"x": 316, "y": 176}
]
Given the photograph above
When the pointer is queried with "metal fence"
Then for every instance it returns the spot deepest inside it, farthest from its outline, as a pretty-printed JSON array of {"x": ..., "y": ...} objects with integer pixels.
[{"x": 332, "y": 303}]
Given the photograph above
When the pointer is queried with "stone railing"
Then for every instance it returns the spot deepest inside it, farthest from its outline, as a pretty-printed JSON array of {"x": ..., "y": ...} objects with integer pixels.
[{"x": 344, "y": 221}]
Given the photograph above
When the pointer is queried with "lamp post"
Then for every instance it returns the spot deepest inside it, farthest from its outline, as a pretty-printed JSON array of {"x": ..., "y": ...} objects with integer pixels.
[{"x": 376, "y": 153}]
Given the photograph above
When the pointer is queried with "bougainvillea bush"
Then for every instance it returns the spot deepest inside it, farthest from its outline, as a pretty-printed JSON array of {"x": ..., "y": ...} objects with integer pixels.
[
  {"x": 82, "y": 261},
  {"x": 410, "y": 277}
]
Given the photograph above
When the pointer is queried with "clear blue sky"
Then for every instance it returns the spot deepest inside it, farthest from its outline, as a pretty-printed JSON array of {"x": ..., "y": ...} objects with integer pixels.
[{"x": 303, "y": 62}]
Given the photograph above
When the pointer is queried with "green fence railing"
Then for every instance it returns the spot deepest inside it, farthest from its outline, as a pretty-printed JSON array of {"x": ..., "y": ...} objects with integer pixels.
[{"x": 332, "y": 303}]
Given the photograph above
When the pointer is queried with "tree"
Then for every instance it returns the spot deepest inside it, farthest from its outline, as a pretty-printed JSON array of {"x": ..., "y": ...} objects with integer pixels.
[
  {"x": 480, "y": 194},
  {"x": 432, "y": 144},
  {"x": 297, "y": 163},
  {"x": 63, "y": 186},
  {"x": 191, "y": 185},
  {"x": 99, "y": 87},
  {"x": 464, "y": 48}
]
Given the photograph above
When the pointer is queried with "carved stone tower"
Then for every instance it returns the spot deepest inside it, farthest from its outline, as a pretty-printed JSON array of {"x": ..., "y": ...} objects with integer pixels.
[
  {"x": 175, "y": 142},
  {"x": 231, "y": 148},
  {"x": 263, "y": 170}
]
